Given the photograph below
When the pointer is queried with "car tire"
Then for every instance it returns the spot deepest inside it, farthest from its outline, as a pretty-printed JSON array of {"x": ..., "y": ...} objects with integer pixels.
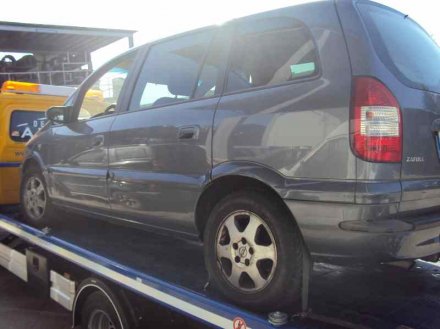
[
  {"x": 270, "y": 255},
  {"x": 98, "y": 312},
  {"x": 36, "y": 207}
]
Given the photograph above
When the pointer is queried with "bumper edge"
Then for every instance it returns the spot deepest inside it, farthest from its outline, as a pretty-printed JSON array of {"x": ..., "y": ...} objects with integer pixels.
[{"x": 345, "y": 233}]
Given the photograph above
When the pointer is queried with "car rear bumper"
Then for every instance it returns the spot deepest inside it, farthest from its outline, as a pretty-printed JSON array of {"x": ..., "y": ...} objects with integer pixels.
[{"x": 346, "y": 232}]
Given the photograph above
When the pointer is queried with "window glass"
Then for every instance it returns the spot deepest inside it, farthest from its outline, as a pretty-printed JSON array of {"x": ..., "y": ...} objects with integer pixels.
[
  {"x": 102, "y": 97},
  {"x": 169, "y": 74},
  {"x": 269, "y": 52},
  {"x": 404, "y": 46},
  {"x": 24, "y": 124},
  {"x": 213, "y": 66}
]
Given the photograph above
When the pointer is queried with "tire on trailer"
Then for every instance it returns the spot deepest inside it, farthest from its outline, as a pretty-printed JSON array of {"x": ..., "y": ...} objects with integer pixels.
[
  {"x": 254, "y": 252},
  {"x": 100, "y": 311},
  {"x": 36, "y": 206}
]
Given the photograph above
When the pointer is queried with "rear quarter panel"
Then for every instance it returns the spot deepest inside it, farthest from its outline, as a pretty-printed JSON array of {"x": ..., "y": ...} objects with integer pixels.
[{"x": 298, "y": 130}]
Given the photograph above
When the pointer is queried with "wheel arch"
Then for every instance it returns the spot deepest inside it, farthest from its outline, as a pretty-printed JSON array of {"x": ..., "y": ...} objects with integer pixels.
[
  {"x": 31, "y": 161},
  {"x": 231, "y": 177},
  {"x": 91, "y": 285}
]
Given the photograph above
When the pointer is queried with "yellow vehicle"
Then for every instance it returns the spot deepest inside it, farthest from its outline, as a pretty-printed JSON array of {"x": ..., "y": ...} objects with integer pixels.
[{"x": 22, "y": 113}]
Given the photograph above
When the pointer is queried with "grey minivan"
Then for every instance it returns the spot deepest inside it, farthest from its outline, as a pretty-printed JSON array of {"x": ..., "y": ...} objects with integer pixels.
[{"x": 310, "y": 129}]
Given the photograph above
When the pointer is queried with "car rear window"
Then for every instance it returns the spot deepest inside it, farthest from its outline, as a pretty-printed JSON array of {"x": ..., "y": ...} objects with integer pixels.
[
  {"x": 271, "y": 52},
  {"x": 406, "y": 48},
  {"x": 24, "y": 124}
]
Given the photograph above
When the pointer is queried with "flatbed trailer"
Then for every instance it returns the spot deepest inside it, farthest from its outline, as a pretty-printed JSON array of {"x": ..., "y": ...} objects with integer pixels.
[{"x": 131, "y": 266}]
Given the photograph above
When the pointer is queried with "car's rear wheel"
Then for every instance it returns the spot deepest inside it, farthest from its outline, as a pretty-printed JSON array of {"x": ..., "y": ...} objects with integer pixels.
[
  {"x": 35, "y": 202},
  {"x": 253, "y": 252}
]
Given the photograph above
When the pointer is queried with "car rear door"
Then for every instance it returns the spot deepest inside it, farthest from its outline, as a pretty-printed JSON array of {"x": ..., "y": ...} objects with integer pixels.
[{"x": 160, "y": 148}]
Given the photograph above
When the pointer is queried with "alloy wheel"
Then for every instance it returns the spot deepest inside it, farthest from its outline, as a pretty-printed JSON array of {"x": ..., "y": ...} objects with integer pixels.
[
  {"x": 246, "y": 251},
  {"x": 35, "y": 198}
]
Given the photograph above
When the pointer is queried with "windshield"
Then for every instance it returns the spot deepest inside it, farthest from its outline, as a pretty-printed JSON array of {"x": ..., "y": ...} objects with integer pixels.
[{"x": 403, "y": 46}]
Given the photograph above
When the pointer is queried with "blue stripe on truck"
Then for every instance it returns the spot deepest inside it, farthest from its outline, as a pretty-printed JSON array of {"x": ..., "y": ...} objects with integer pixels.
[{"x": 9, "y": 164}]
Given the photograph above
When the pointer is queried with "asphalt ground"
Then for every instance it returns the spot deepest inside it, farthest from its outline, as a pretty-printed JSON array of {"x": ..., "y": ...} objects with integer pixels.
[{"x": 21, "y": 309}]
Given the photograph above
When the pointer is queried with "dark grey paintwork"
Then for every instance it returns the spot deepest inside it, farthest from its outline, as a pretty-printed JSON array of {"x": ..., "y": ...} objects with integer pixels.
[
  {"x": 293, "y": 138},
  {"x": 77, "y": 158}
]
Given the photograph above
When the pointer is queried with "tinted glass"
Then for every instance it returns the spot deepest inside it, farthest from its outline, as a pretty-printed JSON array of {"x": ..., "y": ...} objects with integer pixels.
[
  {"x": 102, "y": 97},
  {"x": 24, "y": 124},
  {"x": 170, "y": 72},
  {"x": 269, "y": 52},
  {"x": 404, "y": 46},
  {"x": 211, "y": 76}
]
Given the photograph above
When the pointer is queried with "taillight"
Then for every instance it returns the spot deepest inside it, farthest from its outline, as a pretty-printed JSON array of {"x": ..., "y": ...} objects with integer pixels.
[{"x": 376, "y": 122}]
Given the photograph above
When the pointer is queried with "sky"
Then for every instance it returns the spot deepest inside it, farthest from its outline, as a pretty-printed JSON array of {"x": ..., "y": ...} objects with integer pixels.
[{"x": 155, "y": 19}]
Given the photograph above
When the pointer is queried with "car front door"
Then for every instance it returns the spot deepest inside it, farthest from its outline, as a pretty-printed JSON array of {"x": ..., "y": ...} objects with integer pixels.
[
  {"x": 160, "y": 149},
  {"x": 77, "y": 158}
]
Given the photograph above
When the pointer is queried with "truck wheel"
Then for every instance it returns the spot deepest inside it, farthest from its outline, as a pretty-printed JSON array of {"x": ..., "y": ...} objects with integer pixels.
[
  {"x": 253, "y": 252},
  {"x": 35, "y": 204},
  {"x": 98, "y": 312}
]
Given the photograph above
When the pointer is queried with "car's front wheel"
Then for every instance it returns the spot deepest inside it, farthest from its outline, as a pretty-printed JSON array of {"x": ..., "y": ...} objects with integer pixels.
[
  {"x": 35, "y": 203},
  {"x": 253, "y": 252}
]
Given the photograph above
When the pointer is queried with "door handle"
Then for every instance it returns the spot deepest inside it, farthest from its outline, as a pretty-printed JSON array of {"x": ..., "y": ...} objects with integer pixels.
[
  {"x": 98, "y": 141},
  {"x": 189, "y": 132}
]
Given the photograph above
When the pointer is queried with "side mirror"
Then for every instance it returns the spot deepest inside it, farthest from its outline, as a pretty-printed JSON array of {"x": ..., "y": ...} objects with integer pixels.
[{"x": 58, "y": 114}]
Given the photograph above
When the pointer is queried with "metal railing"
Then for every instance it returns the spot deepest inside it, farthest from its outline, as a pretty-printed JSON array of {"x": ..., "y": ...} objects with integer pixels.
[{"x": 61, "y": 77}]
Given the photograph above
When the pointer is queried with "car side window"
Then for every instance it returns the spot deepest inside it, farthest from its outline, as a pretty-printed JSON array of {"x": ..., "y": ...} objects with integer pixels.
[
  {"x": 169, "y": 74},
  {"x": 102, "y": 97},
  {"x": 269, "y": 52},
  {"x": 211, "y": 76}
]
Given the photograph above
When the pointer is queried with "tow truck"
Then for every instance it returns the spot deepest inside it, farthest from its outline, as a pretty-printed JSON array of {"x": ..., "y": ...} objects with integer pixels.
[
  {"x": 23, "y": 108},
  {"x": 112, "y": 282}
]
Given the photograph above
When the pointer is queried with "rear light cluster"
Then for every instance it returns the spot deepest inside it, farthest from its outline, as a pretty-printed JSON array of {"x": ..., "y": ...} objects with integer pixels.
[{"x": 376, "y": 122}]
